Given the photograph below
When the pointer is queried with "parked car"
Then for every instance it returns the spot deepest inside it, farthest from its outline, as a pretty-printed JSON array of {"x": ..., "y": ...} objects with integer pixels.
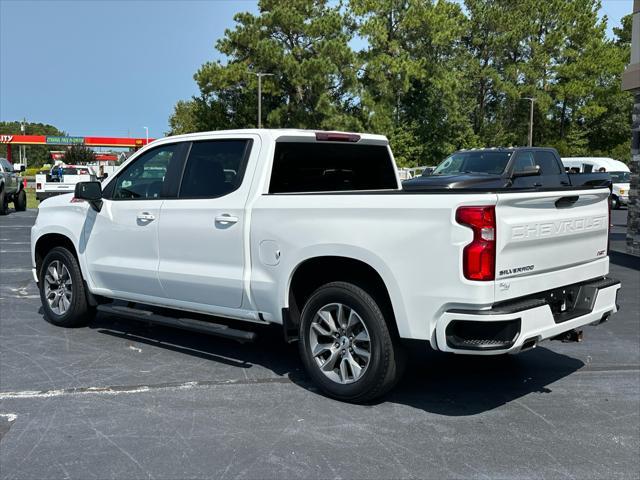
[
  {"x": 619, "y": 172},
  {"x": 313, "y": 234},
  {"x": 11, "y": 187},
  {"x": 503, "y": 168}
]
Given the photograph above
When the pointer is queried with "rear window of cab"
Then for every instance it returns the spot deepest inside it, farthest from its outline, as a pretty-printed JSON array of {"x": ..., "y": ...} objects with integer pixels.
[{"x": 307, "y": 167}]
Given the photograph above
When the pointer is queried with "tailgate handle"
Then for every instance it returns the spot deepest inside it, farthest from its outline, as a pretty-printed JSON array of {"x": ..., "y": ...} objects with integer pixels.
[{"x": 566, "y": 202}]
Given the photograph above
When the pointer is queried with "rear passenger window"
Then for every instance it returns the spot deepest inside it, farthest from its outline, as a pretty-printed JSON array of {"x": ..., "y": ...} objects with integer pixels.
[
  {"x": 214, "y": 168},
  {"x": 547, "y": 162},
  {"x": 329, "y": 167}
]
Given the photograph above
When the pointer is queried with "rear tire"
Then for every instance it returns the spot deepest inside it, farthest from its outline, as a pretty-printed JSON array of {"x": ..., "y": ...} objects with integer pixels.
[
  {"x": 346, "y": 346},
  {"x": 4, "y": 206},
  {"x": 62, "y": 290},
  {"x": 20, "y": 203}
]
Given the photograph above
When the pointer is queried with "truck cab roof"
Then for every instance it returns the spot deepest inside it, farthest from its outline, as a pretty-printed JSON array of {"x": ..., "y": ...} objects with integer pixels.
[{"x": 281, "y": 134}]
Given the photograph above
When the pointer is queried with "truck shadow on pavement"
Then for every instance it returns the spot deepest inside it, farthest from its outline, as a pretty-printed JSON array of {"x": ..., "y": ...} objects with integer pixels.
[
  {"x": 444, "y": 384},
  {"x": 457, "y": 385}
]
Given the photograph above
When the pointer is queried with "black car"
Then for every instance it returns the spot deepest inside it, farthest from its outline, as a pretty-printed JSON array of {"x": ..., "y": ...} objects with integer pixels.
[{"x": 503, "y": 168}]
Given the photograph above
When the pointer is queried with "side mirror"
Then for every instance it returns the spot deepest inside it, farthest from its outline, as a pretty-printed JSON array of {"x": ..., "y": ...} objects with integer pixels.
[
  {"x": 91, "y": 192},
  {"x": 527, "y": 172}
]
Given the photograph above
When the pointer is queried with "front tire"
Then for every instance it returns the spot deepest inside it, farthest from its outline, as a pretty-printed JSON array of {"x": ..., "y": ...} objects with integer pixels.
[
  {"x": 20, "y": 203},
  {"x": 346, "y": 346},
  {"x": 62, "y": 290}
]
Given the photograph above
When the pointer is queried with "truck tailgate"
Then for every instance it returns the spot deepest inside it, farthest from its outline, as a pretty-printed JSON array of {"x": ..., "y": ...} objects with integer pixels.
[{"x": 546, "y": 240}]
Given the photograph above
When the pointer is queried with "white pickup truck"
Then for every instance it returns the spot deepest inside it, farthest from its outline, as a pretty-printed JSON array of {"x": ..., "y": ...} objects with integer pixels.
[
  {"x": 313, "y": 232},
  {"x": 61, "y": 179}
]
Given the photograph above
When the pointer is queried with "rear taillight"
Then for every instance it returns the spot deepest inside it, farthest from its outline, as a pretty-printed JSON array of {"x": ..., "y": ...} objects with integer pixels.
[
  {"x": 38, "y": 186},
  {"x": 479, "y": 257}
]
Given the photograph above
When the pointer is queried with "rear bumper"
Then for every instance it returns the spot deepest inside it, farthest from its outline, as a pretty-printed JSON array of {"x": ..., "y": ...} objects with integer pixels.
[{"x": 521, "y": 324}]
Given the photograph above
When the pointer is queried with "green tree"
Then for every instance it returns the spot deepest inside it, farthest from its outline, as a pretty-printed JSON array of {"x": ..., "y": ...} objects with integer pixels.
[
  {"x": 37, "y": 155},
  {"x": 431, "y": 76},
  {"x": 412, "y": 79},
  {"x": 557, "y": 52},
  {"x": 78, "y": 154},
  {"x": 305, "y": 45}
]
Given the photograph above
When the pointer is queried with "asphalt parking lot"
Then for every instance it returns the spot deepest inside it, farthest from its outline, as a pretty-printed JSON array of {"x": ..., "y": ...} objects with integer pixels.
[{"x": 123, "y": 400}]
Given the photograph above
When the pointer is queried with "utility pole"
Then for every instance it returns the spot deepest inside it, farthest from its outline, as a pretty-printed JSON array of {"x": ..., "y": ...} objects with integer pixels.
[
  {"x": 23, "y": 148},
  {"x": 531, "y": 99},
  {"x": 260, "y": 75}
]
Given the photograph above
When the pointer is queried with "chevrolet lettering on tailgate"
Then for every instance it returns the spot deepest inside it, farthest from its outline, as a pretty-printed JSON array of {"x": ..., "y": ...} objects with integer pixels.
[{"x": 560, "y": 228}]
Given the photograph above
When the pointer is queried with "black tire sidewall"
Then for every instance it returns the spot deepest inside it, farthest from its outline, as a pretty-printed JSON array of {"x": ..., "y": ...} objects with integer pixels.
[
  {"x": 20, "y": 202},
  {"x": 381, "y": 345},
  {"x": 77, "y": 314}
]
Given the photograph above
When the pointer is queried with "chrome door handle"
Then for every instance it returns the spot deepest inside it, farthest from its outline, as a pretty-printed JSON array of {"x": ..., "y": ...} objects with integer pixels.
[
  {"x": 146, "y": 216},
  {"x": 226, "y": 219}
]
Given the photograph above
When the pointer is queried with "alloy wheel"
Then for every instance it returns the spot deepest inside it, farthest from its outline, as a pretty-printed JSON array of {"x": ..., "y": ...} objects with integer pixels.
[
  {"x": 340, "y": 343},
  {"x": 58, "y": 287}
]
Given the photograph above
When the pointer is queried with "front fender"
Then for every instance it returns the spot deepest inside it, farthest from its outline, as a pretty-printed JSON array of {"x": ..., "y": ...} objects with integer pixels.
[{"x": 60, "y": 217}]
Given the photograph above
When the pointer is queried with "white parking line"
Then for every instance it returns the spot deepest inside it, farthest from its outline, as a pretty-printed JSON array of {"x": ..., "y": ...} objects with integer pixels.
[
  {"x": 15, "y": 251},
  {"x": 59, "y": 393},
  {"x": 122, "y": 390},
  {"x": 14, "y": 270},
  {"x": 16, "y": 243}
]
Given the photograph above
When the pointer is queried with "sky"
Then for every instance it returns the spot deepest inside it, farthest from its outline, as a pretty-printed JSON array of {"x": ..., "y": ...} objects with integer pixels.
[{"x": 110, "y": 68}]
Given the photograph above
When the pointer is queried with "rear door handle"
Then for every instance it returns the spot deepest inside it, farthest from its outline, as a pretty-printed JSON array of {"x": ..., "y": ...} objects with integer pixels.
[
  {"x": 146, "y": 217},
  {"x": 226, "y": 219}
]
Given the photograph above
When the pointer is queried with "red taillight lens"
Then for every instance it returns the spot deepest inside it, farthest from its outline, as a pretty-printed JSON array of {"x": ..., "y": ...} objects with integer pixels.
[
  {"x": 337, "y": 137},
  {"x": 38, "y": 186},
  {"x": 479, "y": 257}
]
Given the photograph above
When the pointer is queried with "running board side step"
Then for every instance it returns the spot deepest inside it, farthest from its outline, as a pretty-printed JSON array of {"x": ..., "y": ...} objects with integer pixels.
[{"x": 190, "y": 324}]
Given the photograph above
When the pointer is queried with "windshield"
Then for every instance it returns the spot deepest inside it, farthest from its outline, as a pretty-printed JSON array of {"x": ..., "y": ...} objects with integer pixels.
[
  {"x": 620, "y": 177},
  {"x": 474, "y": 162}
]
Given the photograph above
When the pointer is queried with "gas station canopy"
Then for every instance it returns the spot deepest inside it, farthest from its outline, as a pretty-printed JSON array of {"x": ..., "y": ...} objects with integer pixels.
[{"x": 120, "y": 142}]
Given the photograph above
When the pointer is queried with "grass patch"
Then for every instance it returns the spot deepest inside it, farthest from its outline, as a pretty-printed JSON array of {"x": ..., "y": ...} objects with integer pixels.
[{"x": 32, "y": 201}]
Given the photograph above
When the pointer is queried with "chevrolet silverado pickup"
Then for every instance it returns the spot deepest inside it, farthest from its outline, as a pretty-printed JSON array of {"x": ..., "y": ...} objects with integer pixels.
[{"x": 311, "y": 232}]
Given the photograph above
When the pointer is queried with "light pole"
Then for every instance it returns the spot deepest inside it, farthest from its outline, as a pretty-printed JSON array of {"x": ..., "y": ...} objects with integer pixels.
[
  {"x": 23, "y": 148},
  {"x": 146, "y": 129},
  {"x": 531, "y": 99},
  {"x": 260, "y": 75}
]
